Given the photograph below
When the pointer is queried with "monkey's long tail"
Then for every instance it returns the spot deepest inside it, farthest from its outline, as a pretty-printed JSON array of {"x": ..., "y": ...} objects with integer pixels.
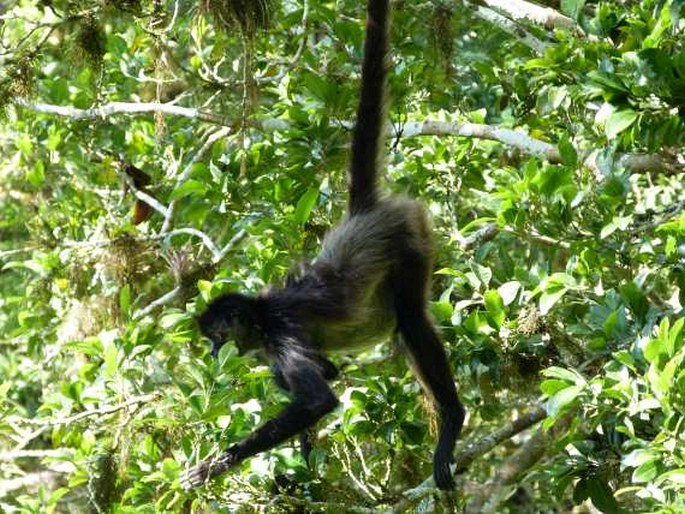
[{"x": 368, "y": 131}]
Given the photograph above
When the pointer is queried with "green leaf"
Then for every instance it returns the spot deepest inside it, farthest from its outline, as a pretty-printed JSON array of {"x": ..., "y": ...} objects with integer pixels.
[
  {"x": 495, "y": 307},
  {"x": 637, "y": 458},
  {"x": 483, "y": 274},
  {"x": 305, "y": 205},
  {"x": 549, "y": 298},
  {"x": 508, "y": 291},
  {"x": 564, "y": 374},
  {"x": 442, "y": 311},
  {"x": 617, "y": 223},
  {"x": 618, "y": 122},
  {"x": 602, "y": 496},
  {"x": 581, "y": 491},
  {"x": 24, "y": 143},
  {"x": 125, "y": 300},
  {"x": 36, "y": 174},
  {"x": 4, "y": 388},
  {"x": 625, "y": 358},
  {"x": 189, "y": 188},
  {"x": 317, "y": 85},
  {"x": 572, "y": 8},
  {"x": 655, "y": 347},
  {"x": 91, "y": 346},
  {"x": 610, "y": 324},
  {"x": 646, "y": 471},
  {"x": 551, "y": 387},
  {"x": 171, "y": 319},
  {"x": 568, "y": 154},
  {"x": 636, "y": 298},
  {"x": 561, "y": 400},
  {"x": 111, "y": 358},
  {"x": 675, "y": 476}
]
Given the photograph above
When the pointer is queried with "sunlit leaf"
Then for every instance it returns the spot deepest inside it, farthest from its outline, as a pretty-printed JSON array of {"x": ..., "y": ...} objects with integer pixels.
[{"x": 618, "y": 122}]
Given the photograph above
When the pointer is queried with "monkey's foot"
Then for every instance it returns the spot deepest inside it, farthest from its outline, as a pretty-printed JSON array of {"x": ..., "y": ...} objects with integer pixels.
[{"x": 200, "y": 474}]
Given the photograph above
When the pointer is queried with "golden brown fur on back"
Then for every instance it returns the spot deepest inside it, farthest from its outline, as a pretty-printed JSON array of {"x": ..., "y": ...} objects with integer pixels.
[{"x": 363, "y": 254}]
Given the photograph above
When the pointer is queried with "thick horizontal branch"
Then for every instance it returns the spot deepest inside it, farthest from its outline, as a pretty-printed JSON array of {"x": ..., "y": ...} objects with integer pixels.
[
  {"x": 512, "y": 28},
  {"x": 545, "y": 16},
  {"x": 518, "y": 139},
  {"x": 159, "y": 302},
  {"x": 489, "y": 231},
  {"x": 113, "y": 108}
]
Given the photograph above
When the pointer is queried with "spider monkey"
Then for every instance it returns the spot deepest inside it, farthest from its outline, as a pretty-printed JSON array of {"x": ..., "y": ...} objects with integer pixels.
[{"x": 369, "y": 282}]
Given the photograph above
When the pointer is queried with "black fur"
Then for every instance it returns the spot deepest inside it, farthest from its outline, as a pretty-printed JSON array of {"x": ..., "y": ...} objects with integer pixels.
[
  {"x": 370, "y": 281},
  {"x": 370, "y": 112}
]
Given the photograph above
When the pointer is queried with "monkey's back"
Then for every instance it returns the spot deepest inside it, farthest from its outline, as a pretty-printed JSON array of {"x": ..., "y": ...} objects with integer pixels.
[
  {"x": 367, "y": 245},
  {"x": 361, "y": 256}
]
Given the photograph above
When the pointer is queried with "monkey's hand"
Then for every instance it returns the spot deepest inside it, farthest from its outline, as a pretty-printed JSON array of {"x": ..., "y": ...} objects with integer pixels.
[{"x": 209, "y": 468}]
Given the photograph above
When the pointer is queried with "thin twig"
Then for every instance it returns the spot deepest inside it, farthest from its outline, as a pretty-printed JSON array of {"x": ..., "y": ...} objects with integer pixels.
[
  {"x": 185, "y": 174},
  {"x": 230, "y": 245},
  {"x": 102, "y": 411},
  {"x": 206, "y": 240},
  {"x": 294, "y": 61},
  {"x": 162, "y": 300}
]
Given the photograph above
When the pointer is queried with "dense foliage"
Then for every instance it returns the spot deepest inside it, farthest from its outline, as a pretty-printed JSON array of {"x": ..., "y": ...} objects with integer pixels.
[{"x": 157, "y": 153}]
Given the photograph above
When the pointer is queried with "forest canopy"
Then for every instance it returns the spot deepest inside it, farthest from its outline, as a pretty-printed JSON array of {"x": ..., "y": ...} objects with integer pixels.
[{"x": 155, "y": 154}]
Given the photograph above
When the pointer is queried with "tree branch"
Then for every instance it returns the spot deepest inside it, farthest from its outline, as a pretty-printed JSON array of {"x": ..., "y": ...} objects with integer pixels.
[
  {"x": 217, "y": 256},
  {"x": 230, "y": 245},
  {"x": 162, "y": 300},
  {"x": 474, "y": 450},
  {"x": 637, "y": 163},
  {"x": 477, "y": 449},
  {"x": 45, "y": 479},
  {"x": 34, "y": 454},
  {"x": 500, "y": 487},
  {"x": 102, "y": 411},
  {"x": 511, "y": 27},
  {"x": 185, "y": 175},
  {"x": 114, "y": 108},
  {"x": 545, "y": 16}
]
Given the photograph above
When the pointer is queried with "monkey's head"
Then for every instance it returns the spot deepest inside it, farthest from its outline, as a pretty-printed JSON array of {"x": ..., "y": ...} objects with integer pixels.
[{"x": 232, "y": 317}]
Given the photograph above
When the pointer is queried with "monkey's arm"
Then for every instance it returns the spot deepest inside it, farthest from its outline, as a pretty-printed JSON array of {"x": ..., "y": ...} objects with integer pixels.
[
  {"x": 312, "y": 400},
  {"x": 329, "y": 372}
]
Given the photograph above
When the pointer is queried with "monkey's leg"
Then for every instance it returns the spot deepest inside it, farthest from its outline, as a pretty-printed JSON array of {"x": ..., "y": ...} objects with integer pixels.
[
  {"x": 428, "y": 360},
  {"x": 312, "y": 400}
]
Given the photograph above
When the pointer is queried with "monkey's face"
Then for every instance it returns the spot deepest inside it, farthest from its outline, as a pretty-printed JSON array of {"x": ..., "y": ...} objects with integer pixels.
[
  {"x": 231, "y": 318},
  {"x": 230, "y": 327},
  {"x": 217, "y": 330}
]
